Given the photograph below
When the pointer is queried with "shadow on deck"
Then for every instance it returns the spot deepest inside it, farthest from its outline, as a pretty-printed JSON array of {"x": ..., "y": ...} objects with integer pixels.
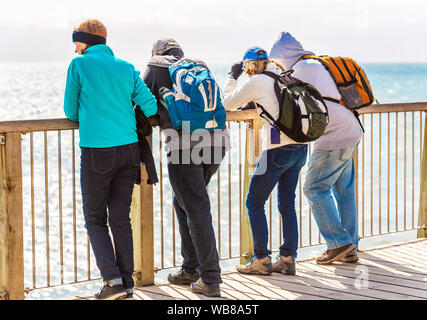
[{"x": 396, "y": 271}]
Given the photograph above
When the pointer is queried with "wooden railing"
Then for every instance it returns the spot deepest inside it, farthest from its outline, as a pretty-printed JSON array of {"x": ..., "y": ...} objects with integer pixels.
[{"x": 26, "y": 207}]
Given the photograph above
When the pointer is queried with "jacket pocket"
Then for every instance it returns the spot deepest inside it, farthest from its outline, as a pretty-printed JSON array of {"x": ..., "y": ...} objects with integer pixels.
[{"x": 103, "y": 160}]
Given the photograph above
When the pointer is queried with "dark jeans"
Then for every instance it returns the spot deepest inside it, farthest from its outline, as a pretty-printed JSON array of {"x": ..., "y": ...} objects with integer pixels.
[
  {"x": 107, "y": 179},
  {"x": 280, "y": 166},
  {"x": 193, "y": 211}
]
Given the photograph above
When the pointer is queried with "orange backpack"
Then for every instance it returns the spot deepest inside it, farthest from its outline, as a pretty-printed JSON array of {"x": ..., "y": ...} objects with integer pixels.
[{"x": 350, "y": 79}]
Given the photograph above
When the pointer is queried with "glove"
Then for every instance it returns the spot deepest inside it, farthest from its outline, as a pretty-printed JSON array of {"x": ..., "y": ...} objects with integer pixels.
[{"x": 236, "y": 70}]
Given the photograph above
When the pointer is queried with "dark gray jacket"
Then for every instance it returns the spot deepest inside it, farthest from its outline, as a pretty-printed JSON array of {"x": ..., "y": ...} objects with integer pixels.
[{"x": 156, "y": 75}]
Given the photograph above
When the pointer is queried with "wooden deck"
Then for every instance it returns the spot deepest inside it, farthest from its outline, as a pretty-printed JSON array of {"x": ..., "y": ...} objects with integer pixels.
[{"x": 397, "y": 271}]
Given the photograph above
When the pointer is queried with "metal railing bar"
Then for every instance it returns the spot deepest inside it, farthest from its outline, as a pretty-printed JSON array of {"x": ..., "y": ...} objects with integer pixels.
[
  {"x": 33, "y": 222},
  {"x": 388, "y": 173},
  {"x": 173, "y": 233},
  {"x": 270, "y": 222},
  {"x": 372, "y": 175},
  {"x": 61, "y": 243},
  {"x": 73, "y": 168},
  {"x": 379, "y": 172},
  {"x": 413, "y": 168},
  {"x": 219, "y": 210},
  {"x": 229, "y": 199},
  {"x": 404, "y": 172},
  {"x": 363, "y": 179},
  {"x": 46, "y": 182},
  {"x": 161, "y": 200},
  {"x": 397, "y": 175}
]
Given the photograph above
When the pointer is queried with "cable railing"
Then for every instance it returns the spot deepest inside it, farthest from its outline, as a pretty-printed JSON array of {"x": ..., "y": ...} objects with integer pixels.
[{"x": 43, "y": 242}]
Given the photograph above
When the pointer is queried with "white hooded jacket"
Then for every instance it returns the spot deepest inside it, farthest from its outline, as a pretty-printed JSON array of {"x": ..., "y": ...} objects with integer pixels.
[
  {"x": 259, "y": 89},
  {"x": 343, "y": 129}
]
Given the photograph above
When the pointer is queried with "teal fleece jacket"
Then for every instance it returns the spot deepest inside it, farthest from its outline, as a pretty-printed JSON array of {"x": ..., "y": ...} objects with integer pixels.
[{"x": 99, "y": 92}]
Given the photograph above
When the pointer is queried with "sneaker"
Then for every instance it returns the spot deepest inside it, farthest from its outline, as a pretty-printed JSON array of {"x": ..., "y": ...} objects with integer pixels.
[
  {"x": 111, "y": 292},
  {"x": 182, "y": 277},
  {"x": 256, "y": 266},
  {"x": 285, "y": 265},
  {"x": 332, "y": 255},
  {"x": 350, "y": 258},
  {"x": 209, "y": 290}
]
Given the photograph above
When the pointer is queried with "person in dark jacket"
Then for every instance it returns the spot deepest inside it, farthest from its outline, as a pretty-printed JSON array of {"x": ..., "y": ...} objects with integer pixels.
[{"x": 200, "y": 267}]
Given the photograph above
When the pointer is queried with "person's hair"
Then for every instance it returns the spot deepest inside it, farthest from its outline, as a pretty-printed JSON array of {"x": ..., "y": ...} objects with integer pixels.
[
  {"x": 256, "y": 66},
  {"x": 92, "y": 26}
]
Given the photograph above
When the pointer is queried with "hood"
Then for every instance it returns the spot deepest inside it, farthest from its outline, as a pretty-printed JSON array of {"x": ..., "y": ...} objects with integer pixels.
[
  {"x": 162, "y": 61},
  {"x": 288, "y": 50}
]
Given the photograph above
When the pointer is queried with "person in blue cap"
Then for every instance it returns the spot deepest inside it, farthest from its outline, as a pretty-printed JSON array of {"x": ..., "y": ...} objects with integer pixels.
[
  {"x": 280, "y": 163},
  {"x": 99, "y": 92}
]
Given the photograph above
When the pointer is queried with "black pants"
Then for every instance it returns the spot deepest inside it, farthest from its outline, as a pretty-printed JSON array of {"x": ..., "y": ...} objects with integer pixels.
[
  {"x": 107, "y": 180},
  {"x": 193, "y": 211}
]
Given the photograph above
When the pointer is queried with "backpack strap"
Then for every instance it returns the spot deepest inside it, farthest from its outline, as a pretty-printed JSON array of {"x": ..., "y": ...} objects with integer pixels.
[
  {"x": 269, "y": 118},
  {"x": 331, "y": 99},
  {"x": 356, "y": 114}
]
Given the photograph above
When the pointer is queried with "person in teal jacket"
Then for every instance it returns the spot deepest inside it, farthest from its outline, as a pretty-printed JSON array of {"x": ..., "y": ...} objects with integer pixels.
[{"x": 99, "y": 94}]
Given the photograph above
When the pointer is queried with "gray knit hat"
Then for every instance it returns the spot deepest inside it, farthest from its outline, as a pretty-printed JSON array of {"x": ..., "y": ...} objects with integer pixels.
[{"x": 164, "y": 44}]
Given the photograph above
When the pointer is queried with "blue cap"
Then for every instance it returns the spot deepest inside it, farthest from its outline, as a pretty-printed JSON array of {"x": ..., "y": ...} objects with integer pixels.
[{"x": 255, "y": 53}]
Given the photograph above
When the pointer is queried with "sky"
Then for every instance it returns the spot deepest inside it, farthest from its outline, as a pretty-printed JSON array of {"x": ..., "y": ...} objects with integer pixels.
[{"x": 217, "y": 31}]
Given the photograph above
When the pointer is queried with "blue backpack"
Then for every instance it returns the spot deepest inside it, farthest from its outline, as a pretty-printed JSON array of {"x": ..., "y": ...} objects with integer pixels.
[{"x": 197, "y": 96}]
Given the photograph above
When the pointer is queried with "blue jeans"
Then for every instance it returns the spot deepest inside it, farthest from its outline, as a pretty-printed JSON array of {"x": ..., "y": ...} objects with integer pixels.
[
  {"x": 280, "y": 166},
  {"x": 193, "y": 211},
  {"x": 329, "y": 188},
  {"x": 107, "y": 179}
]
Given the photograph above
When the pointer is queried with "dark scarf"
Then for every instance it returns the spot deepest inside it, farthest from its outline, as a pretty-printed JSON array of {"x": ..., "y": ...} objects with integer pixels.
[{"x": 144, "y": 129}]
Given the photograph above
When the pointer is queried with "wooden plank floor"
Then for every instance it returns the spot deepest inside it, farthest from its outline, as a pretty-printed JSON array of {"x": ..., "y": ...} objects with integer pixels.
[{"x": 396, "y": 271}]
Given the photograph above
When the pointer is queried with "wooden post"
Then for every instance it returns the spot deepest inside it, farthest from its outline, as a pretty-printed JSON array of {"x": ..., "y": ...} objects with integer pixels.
[
  {"x": 422, "y": 220},
  {"x": 252, "y": 155},
  {"x": 143, "y": 230},
  {"x": 11, "y": 218}
]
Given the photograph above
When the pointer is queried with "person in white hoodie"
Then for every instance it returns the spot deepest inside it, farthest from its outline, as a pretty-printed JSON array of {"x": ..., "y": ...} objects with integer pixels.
[
  {"x": 329, "y": 183},
  {"x": 281, "y": 161}
]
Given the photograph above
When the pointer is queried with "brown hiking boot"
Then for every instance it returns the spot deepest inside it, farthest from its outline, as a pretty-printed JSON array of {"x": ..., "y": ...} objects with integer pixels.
[
  {"x": 332, "y": 255},
  {"x": 256, "y": 266},
  {"x": 182, "y": 277},
  {"x": 351, "y": 258},
  {"x": 285, "y": 265},
  {"x": 209, "y": 290}
]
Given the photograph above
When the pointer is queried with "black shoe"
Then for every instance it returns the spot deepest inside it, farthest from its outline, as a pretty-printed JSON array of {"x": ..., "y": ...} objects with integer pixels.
[
  {"x": 182, "y": 277},
  {"x": 111, "y": 292},
  {"x": 209, "y": 290}
]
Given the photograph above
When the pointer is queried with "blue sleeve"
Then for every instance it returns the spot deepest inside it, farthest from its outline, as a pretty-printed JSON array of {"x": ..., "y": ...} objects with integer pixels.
[
  {"x": 142, "y": 96},
  {"x": 72, "y": 92}
]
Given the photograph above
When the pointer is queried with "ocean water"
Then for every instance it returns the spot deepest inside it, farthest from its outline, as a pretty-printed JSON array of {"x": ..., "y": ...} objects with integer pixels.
[{"x": 35, "y": 91}]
